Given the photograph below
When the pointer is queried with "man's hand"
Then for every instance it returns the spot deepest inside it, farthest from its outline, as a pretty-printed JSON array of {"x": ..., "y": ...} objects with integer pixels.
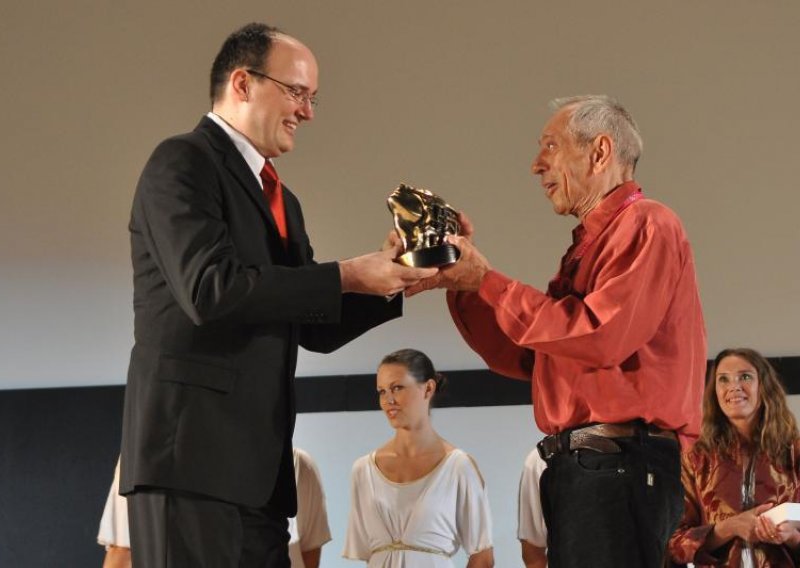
[
  {"x": 377, "y": 273},
  {"x": 465, "y": 275},
  {"x": 467, "y": 228}
]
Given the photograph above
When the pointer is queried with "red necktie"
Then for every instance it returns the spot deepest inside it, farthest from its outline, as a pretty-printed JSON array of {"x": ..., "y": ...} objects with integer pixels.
[{"x": 273, "y": 191}]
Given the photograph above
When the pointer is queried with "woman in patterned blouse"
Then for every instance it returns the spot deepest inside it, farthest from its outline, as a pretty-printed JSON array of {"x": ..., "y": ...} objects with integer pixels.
[{"x": 746, "y": 461}]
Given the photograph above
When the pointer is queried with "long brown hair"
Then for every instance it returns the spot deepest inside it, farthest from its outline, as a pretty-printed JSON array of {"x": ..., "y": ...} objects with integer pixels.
[{"x": 775, "y": 429}]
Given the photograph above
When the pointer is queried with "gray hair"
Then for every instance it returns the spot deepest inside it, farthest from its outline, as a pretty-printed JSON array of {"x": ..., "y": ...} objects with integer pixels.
[{"x": 593, "y": 115}]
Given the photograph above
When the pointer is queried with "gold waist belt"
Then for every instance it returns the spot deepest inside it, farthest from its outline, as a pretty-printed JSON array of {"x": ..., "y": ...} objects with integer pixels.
[{"x": 400, "y": 545}]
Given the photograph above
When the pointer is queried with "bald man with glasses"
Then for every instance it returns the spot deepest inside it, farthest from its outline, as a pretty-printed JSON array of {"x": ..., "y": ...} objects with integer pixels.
[{"x": 225, "y": 290}]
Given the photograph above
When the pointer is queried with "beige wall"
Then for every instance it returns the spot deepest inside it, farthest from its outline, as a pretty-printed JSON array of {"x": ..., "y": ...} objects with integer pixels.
[
  {"x": 448, "y": 95},
  {"x": 794, "y": 405}
]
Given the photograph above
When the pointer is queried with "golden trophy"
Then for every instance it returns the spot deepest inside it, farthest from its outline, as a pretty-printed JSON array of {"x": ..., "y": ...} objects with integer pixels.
[{"x": 422, "y": 219}]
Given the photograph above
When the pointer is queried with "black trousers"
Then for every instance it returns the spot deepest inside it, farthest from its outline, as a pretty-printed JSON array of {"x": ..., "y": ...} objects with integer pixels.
[
  {"x": 174, "y": 529},
  {"x": 614, "y": 510}
]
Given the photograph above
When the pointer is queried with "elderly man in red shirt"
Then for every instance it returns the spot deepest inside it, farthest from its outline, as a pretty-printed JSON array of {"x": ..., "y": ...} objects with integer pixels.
[{"x": 615, "y": 348}]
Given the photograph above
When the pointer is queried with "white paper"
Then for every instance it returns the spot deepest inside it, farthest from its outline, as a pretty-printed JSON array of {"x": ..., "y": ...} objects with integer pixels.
[{"x": 783, "y": 512}]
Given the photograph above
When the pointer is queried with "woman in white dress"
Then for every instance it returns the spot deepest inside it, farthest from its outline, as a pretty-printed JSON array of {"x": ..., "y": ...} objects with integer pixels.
[{"x": 416, "y": 499}]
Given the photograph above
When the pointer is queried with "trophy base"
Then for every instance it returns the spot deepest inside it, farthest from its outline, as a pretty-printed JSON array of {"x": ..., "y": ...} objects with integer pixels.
[{"x": 431, "y": 257}]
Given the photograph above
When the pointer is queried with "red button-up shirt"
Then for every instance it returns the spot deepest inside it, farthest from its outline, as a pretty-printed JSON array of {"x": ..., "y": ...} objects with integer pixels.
[{"x": 620, "y": 335}]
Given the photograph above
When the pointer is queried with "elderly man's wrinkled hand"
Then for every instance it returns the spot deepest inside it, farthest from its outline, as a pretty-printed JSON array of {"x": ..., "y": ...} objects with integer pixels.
[
  {"x": 465, "y": 275},
  {"x": 467, "y": 228},
  {"x": 424, "y": 285}
]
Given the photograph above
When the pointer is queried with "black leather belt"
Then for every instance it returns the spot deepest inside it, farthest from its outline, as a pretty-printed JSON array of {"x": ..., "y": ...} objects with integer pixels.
[{"x": 598, "y": 438}]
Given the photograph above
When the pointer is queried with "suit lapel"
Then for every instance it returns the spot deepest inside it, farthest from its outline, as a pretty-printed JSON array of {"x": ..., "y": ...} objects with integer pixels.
[
  {"x": 294, "y": 228},
  {"x": 235, "y": 164}
]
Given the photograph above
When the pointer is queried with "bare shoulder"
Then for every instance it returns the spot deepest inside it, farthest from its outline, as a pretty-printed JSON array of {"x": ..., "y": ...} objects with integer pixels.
[
  {"x": 385, "y": 453},
  {"x": 468, "y": 466}
]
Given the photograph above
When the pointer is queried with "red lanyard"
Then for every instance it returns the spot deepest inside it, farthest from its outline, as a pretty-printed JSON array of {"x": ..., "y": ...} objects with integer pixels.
[
  {"x": 585, "y": 244},
  {"x": 561, "y": 285}
]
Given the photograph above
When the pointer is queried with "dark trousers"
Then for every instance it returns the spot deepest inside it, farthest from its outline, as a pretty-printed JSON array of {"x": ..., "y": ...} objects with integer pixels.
[
  {"x": 174, "y": 529},
  {"x": 614, "y": 510}
]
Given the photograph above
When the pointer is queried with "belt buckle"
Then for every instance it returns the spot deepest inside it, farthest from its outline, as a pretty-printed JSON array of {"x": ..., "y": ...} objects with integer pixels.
[{"x": 548, "y": 446}]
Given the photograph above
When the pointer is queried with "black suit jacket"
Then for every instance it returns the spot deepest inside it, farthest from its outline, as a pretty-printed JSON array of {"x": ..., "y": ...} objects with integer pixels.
[{"x": 220, "y": 308}]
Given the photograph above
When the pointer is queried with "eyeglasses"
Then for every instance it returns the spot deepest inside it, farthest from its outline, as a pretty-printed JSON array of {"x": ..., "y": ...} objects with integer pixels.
[{"x": 299, "y": 96}]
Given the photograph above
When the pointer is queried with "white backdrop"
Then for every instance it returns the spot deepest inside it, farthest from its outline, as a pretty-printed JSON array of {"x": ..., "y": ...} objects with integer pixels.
[{"x": 440, "y": 94}]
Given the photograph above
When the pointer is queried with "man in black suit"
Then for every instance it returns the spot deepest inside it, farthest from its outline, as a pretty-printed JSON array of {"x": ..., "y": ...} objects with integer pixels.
[{"x": 225, "y": 289}]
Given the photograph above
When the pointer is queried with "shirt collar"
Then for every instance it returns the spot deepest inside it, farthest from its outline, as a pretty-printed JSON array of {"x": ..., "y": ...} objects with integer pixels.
[
  {"x": 255, "y": 161},
  {"x": 599, "y": 217}
]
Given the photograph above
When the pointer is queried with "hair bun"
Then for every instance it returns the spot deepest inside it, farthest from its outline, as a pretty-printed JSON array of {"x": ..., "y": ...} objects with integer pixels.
[{"x": 441, "y": 383}]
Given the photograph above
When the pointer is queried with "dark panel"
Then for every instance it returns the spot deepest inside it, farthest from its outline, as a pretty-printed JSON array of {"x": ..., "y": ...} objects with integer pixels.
[
  {"x": 58, "y": 448},
  {"x": 464, "y": 388},
  {"x": 357, "y": 392},
  {"x": 789, "y": 370}
]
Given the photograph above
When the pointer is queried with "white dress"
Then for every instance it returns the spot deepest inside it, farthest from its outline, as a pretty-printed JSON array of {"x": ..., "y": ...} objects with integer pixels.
[
  {"x": 419, "y": 524},
  {"x": 531, "y": 525},
  {"x": 309, "y": 529},
  {"x": 113, "y": 530}
]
